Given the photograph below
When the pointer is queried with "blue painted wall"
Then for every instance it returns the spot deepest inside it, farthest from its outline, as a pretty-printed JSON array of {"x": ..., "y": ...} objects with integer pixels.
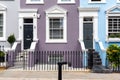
[
  {"x": 101, "y": 16},
  {"x": 101, "y": 21}
]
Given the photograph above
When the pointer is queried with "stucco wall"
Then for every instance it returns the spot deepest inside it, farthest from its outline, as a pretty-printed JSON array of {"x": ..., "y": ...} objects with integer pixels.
[
  {"x": 101, "y": 17},
  {"x": 11, "y": 19},
  {"x": 72, "y": 25}
]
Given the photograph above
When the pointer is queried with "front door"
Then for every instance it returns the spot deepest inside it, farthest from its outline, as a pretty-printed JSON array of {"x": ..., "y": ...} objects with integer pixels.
[
  {"x": 88, "y": 33},
  {"x": 28, "y": 33}
]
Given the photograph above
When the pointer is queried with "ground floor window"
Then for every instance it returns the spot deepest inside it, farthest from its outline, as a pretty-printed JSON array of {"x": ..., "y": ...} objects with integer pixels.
[
  {"x": 114, "y": 26},
  {"x": 1, "y": 25},
  {"x": 56, "y": 28},
  {"x": 55, "y": 58}
]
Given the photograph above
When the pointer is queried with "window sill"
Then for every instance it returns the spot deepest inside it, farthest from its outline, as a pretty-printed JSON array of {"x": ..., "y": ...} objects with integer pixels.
[
  {"x": 113, "y": 39},
  {"x": 65, "y": 3},
  {"x": 34, "y": 2},
  {"x": 96, "y": 2},
  {"x": 56, "y": 41},
  {"x": 73, "y": 2},
  {"x": 2, "y": 40}
]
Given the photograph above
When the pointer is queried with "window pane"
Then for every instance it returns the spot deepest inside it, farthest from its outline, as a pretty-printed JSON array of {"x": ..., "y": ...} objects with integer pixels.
[
  {"x": 56, "y": 28},
  {"x": 1, "y": 25},
  {"x": 114, "y": 26},
  {"x": 95, "y": 0},
  {"x": 55, "y": 58},
  {"x": 28, "y": 20},
  {"x": 88, "y": 19},
  {"x": 1, "y": 34}
]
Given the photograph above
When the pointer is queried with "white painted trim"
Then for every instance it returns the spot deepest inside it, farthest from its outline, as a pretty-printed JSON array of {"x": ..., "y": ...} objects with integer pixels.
[
  {"x": 113, "y": 40},
  {"x": 101, "y": 46},
  {"x": 66, "y": 2},
  {"x": 118, "y": 1},
  {"x": 34, "y": 2},
  {"x": 56, "y": 12},
  {"x": 110, "y": 10},
  {"x": 14, "y": 45},
  {"x": 4, "y": 26},
  {"x": 56, "y": 9},
  {"x": 109, "y": 13},
  {"x": 33, "y": 46},
  {"x": 28, "y": 13},
  {"x": 91, "y": 13},
  {"x": 3, "y": 7},
  {"x": 106, "y": 28},
  {"x": 82, "y": 45},
  {"x": 102, "y": 1}
]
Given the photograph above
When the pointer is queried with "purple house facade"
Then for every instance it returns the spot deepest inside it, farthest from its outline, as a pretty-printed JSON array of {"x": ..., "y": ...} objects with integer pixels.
[{"x": 49, "y": 26}]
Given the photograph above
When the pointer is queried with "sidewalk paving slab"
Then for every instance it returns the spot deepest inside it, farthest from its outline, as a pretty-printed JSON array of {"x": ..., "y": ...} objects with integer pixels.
[{"x": 53, "y": 75}]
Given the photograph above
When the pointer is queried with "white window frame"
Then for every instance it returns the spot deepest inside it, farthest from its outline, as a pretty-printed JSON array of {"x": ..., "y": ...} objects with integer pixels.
[
  {"x": 107, "y": 38},
  {"x": 118, "y": 1},
  {"x": 34, "y": 2},
  {"x": 66, "y": 2},
  {"x": 102, "y": 1},
  {"x": 3, "y": 38},
  {"x": 56, "y": 12}
]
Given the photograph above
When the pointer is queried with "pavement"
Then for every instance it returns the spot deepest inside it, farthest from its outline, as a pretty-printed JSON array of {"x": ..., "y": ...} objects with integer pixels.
[{"x": 53, "y": 75}]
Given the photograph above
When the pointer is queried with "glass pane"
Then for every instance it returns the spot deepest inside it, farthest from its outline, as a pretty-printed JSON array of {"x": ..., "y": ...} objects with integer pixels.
[
  {"x": 87, "y": 19},
  {"x": 95, "y": 0},
  {"x": 28, "y": 20},
  {"x": 1, "y": 28},
  {"x": 1, "y": 19},
  {"x": 56, "y": 28},
  {"x": 1, "y": 34},
  {"x": 1, "y": 22},
  {"x": 56, "y": 24},
  {"x": 53, "y": 59}
]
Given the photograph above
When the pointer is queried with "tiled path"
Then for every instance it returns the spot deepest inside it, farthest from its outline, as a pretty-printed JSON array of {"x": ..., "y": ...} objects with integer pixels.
[{"x": 38, "y": 75}]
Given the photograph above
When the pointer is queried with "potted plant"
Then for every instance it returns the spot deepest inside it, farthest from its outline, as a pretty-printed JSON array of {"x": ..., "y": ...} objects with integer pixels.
[
  {"x": 11, "y": 39},
  {"x": 2, "y": 56},
  {"x": 113, "y": 54}
]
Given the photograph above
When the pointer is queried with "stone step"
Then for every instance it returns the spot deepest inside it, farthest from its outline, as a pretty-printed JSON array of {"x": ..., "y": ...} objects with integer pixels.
[
  {"x": 100, "y": 69},
  {"x": 96, "y": 59},
  {"x": 96, "y": 56}
]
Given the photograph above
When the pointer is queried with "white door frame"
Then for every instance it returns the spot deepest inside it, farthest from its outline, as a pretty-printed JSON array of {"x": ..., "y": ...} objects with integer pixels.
[
  {"x": 27, "y": 13},
  {"x": 89, "y": 12}
]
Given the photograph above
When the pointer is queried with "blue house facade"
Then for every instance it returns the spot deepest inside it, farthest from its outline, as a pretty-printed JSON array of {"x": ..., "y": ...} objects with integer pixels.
[{"x": 101, "y": 19}]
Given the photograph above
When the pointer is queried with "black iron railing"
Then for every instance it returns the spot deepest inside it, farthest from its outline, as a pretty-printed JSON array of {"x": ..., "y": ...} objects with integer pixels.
[{"x": 47, "y": 60}]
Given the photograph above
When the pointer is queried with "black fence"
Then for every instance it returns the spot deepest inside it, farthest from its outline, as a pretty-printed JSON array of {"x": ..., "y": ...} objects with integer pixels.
[
  {"x": 2, "y": 57},
  {"x": 47, "y": 60}
]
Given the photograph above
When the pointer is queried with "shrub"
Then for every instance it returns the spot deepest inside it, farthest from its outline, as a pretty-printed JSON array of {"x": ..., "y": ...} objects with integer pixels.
[
  {"x": 2, "y": 54},
  {"x": 11, "y": 39},
  {"x": 113, "y": 54}
]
